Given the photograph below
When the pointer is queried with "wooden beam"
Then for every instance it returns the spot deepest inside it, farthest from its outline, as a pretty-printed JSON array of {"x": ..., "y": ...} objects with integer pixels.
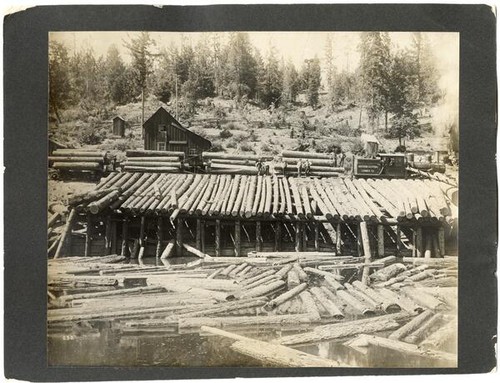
[
  {"x": 419, "y": 242},
  {"x": 258, "y": 236},
  {"x": 398, "y": 240},
  {"x": 380, "y": 241},
  {"x": 202, "y": 235},
  {"x": 88, "y": 235},
  {"x": 316, "y": 235},
  {"x": 198, "y": 234},
  {"x": 124, "y": 251},
  {"x": 114, "y": 237},
  {"x": 159, "y": 236},
  {"x": 217, "y": 237},
  {"x": 142, "y": 231},
  {"x": 107, "y": 236},
  {"x": 359, "y": 243},
  {"x": 441, "y": 243},
  {"x": 277, "y": 238},
  {"x": 298, "y": 236},
  {"x": 363, "y": 231},
  {"x": 237, "y": 238},
  {"x": 338, "y": 242},
  {"x": 179, "y": 240}
]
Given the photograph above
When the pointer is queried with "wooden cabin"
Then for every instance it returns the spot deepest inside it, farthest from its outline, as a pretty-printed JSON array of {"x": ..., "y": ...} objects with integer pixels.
[
  {"x": 119, "y": 126},
  {"x": 163, "y": 132}
]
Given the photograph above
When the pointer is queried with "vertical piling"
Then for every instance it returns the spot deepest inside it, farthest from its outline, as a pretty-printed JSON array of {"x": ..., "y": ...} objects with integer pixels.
[
  {"x": 380, "y": 241},
  {"x": 258, "y": 236},
  {"x": 124, "y": 251},
  {"x": 237, "y": 238},
  {"x": 88, "y": 235},
  {"x": 179, "y": 237},
  {"x": 217, "y": 237}
]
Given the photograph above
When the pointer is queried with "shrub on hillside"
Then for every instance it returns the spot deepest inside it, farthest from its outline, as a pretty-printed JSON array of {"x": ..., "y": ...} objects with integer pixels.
[
  {"x": 92, "y": 136},
  {"x": 246, "y": 147},
  {"x": 231, "y": 144},
  {"x": 216, "y": 147},
  {"x": 225, "y": 134},
  {"x": 265, "y": 147},
  {"x": 345, "y": 129},
  {"x": 252, "y": 136}
]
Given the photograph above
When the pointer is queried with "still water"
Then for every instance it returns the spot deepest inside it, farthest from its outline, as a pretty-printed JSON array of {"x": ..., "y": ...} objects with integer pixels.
[{"x": 108, "y": 347}]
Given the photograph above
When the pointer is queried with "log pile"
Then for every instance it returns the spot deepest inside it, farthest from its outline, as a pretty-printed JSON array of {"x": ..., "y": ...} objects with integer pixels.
[
  {"x": 153, "y": 161},
  {"x": 272, "y": 197},
  {"x": 247, "y": 295},
  {"x": 80, "y": 160},
  {"x": 321, "y": 164},
  {"x": 244, "y": 164}
]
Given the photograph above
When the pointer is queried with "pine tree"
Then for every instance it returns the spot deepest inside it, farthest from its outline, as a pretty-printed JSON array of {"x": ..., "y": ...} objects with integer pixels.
[
  {"x": 374, "y": 63},
  {"x": 271, "y": 79},
  {"x": 116, "y": 77},
  {"x": 311, "y": 80},
  {"x": 290, "y": 82},
  {"x": 142, "y": 62},
  {"x": 241, "y": 66},
  {"x": 427, "y": 76},
  {"x": 59, "y": 82}
]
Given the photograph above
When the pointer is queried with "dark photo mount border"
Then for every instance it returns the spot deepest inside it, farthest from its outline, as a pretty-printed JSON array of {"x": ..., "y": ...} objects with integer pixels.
[{"x": 25, "y": 122}]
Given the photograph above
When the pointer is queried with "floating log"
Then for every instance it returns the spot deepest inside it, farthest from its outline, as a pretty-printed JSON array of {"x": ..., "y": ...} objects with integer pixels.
[
  {"x": 322, "y": 273},
  {"x": 402, "y": 347},
  {"x": 388, "y": 272},
  {"x": 443, "y": 337},
  {"x": 404, "y": 302},
  {"x": 355, "y": 303},
  {"x": 272, "y": 354},
  {"x": 293, "y": 279},
  {"x": 424, "y": 329},
  {"x": 325, "y": 300},
  {"x": 341, "y": 330},
  {"x": 265, "y": 290},
  {"x": 279, "y": 300},
  {"x": 422, "y": 298},
  {"x": 411, "y": 326},
  {"x": 385, "y": 303}
]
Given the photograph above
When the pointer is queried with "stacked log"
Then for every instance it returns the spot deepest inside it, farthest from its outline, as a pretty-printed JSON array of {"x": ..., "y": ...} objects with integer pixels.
[
  {"x": 248, "y": 196},
  {"x": 153, "y": 161},
  {"x": 321, "y": 164},
  {"x": 223, "y": 163},
  {"x": 79, "y": 160}
]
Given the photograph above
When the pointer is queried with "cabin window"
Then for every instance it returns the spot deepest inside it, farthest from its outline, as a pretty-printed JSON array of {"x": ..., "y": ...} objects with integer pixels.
[
  {"x": 162, "y": 128},
  {"x": 193, "y": 152},
  {"x": 161, "y": 146}
]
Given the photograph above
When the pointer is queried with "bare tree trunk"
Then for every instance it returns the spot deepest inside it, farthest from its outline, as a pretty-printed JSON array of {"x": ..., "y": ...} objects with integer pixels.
[{"x": 386, "y": 117}]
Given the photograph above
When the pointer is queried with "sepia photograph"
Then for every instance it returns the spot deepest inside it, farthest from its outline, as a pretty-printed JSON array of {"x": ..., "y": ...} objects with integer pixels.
[{"x": 253, "y": 199}]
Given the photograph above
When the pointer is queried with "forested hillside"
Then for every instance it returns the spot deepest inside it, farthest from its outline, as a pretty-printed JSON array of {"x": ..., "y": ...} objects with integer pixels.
[{"x": 227, "y": 90}]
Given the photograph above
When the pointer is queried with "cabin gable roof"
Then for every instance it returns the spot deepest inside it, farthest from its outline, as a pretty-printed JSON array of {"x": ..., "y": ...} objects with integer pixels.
[{"x": 148, "y": 124}]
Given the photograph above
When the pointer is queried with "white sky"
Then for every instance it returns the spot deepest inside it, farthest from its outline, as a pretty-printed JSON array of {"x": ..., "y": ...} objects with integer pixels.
[{"x": 297, "y": 46}]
